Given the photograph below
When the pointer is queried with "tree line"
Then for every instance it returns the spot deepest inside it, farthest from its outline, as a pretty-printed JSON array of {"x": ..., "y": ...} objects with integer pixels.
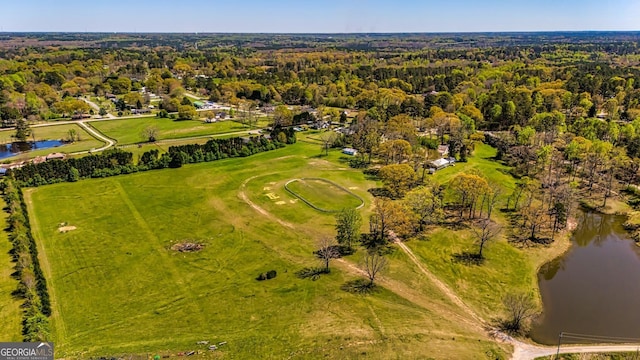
[
  {"x": 113, "y": 162},
  {"x": 24, "y": 253}
]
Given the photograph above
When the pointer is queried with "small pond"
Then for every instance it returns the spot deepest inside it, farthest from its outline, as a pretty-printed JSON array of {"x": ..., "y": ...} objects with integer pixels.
[
  {"x": 9, "y": 150},
  {"x": 594, "y": 288}
]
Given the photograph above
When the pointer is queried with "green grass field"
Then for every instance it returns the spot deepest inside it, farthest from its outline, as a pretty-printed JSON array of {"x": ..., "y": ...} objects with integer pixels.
[
  {"x": 129, "y": 131},
  {"x": 505, "y": 269},
  {"x": 117, "y": 287},
  {"x": 10, "y": 311},
  {"x": 323, "y": 194}
]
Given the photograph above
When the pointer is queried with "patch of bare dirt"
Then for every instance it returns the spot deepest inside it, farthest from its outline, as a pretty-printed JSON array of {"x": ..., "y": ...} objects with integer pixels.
[
  {"x": 187, "y": 247},
  {"x": 64, "y": 229}
]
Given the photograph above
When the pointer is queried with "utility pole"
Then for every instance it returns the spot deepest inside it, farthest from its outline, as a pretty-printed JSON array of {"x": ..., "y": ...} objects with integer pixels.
[{"x": 559, "y": 342}]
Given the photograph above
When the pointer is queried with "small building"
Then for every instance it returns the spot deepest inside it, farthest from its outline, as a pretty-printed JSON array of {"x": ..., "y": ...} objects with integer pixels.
[
  {"x": 443, "y": 150},
  {"x": 349, "y": 151},
  {"x": 198, "y": 104},
  {"x": 442, "y": 163},
  {"x": 56, "y": 156}
]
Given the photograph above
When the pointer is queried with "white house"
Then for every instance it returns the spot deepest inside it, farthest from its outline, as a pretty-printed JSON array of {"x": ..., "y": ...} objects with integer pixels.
[
  {"x": 442, "y": 163},
  {"x": 350, "y": 151}
]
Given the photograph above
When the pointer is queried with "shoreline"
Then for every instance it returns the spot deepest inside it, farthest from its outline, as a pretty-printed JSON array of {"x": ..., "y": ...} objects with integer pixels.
[{"x": 560, "y": 248}]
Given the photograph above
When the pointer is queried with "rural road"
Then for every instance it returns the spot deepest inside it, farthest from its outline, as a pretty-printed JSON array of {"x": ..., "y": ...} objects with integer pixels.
[
  {"x": 108, "y": 142},
  {"x": 96, "y": 107}
]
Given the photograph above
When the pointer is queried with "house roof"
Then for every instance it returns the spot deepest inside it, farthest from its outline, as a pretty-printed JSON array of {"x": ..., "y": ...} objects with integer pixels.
[{"x": 440, "y": 162}]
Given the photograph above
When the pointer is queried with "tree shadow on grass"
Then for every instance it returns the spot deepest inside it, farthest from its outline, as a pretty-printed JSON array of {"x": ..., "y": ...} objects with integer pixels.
[
  {"x": 359, "y": 287},
  {"x": 468, "y": 258},
  {"x": 312, "y": 273}
]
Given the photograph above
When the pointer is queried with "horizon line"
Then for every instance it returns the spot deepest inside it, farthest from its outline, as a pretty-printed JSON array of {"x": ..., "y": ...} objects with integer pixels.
[{"x": 317, "y": 33}]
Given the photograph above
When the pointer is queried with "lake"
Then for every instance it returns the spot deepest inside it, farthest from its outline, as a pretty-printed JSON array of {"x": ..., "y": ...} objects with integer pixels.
[
  {"x": 9, "y": 150},
  {"x": 593, "y": 289}
]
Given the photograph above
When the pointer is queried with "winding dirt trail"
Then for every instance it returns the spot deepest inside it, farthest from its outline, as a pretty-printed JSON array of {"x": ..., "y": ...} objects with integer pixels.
[{"x": 521, "y": 350}]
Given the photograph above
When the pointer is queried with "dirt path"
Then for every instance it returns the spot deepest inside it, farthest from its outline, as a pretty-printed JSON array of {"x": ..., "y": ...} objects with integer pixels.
[
  {"x": 521, "y": 350},
  {"x": 439, "y": 284},
  {"x": 243, "y": 196},
  {"x": 108, "y": 142}
]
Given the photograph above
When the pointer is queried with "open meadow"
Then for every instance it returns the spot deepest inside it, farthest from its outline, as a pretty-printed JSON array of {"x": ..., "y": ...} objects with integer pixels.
[
  {"x": 118, "y": 286},
  {"x": 130, "y": 131}
]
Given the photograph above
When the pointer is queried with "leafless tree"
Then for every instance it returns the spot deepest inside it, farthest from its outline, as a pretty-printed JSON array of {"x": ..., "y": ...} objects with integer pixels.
[
  {"x": 492, "y": 199},
  {"x": 327, "y": 250},
  {"x": 150, "y": 133},
  {"x": 520, "y": 308},
  {"x": 327, "y": 138},
  {"x": 484, "y": 233},
  {"x": 373, "y": 263}
]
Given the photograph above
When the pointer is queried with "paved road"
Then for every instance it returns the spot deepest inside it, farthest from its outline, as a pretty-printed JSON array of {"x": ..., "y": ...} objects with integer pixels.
[{"x": 526, "y": 352}]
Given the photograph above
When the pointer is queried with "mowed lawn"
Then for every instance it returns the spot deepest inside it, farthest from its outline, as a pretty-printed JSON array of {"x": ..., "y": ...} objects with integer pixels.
[
  {"x": 55, "y": 132},
  {"x": 323, "y": 194},
  {"x": 130, "y": 131},
  {"x": 117, "y": 287}
]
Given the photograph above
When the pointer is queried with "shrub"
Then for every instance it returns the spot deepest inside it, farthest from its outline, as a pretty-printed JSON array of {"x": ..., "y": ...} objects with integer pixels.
[
  {"x": 271, "y": 274},
  {"x": 267, "y": 276}
]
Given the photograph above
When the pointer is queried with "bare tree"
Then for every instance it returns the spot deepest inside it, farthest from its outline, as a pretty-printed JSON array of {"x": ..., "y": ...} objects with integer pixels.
[
  {"x": 492, "y": 199},
  {"x": 373, "y": 263},
  {"x": 533, "y": 220},
  {"x": 327, "y": 250},
  {"x": 520, "y": 308},
  {"x": 150, "y": 133},
  {"x": 484, "y": 233},
  {"x": 327, "y": 138}
]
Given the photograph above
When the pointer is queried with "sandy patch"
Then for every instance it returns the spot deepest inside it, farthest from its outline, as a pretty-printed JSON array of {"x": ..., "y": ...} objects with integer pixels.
[
  {"x": 293, "y": 201},
  {"x": 64, "y": 229},
  {"x": 272, "y": 196},
  {"x": 266, "y": 188},
  {"x": 281, "y": 202},
  {"x": 353, "y": 188}
]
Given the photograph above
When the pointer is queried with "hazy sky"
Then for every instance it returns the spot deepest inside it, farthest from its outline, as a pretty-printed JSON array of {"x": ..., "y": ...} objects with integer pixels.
[{"x": 318, "y": 15}]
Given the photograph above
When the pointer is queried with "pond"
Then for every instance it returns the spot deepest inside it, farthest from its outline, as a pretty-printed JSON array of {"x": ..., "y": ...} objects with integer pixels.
[
  {"x": 9, "y": 150},
  {"x": 593, "y": 289}
]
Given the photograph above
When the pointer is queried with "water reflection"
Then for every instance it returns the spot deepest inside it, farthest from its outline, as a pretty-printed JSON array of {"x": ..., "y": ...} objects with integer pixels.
[
  {"x": 595, "y": 287},
  {"x": 9, "y": 150}
]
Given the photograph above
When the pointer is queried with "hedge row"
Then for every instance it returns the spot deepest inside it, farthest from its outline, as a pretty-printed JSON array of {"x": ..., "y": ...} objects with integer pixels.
[
  {"x": 115, "y": 161},
  {"x": 32, "y": 283}
]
